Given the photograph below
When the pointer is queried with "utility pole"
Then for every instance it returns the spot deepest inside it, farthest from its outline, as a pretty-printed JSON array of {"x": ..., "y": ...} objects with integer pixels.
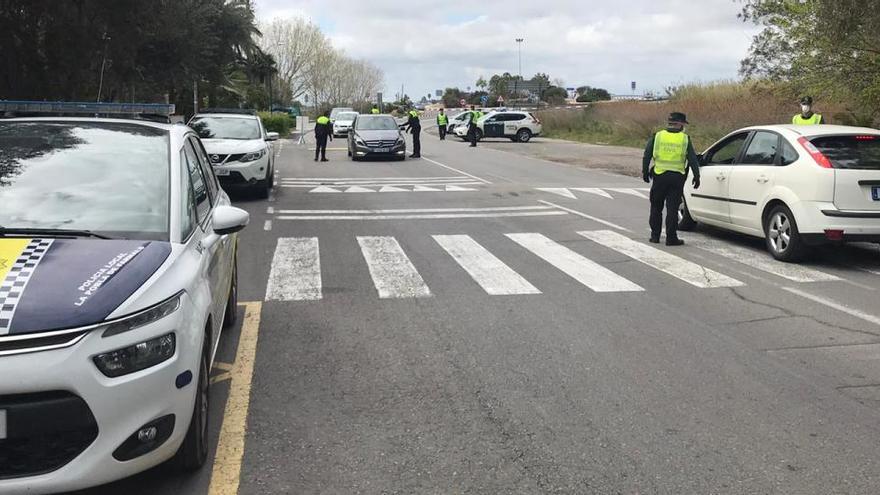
[{"x": 519, "y": 51}]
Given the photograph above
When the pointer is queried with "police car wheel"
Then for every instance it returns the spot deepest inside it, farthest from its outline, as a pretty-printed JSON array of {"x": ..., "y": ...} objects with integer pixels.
[
  {"x": 523, "y": 135},
  {"x": 685, "y": 221},
  {"x": 194, "y": 451}
]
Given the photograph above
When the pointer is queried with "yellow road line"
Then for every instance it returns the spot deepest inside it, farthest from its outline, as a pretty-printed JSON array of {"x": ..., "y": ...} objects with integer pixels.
[{"x": 226, "y": 474}]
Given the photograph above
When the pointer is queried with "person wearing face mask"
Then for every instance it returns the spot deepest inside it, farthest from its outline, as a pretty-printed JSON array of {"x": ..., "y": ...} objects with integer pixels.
[{"x": 807, "y": 117}]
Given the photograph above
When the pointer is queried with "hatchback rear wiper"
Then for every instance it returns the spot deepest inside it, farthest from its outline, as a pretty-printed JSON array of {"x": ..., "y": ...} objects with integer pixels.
[{"x": 4, "y": 231}]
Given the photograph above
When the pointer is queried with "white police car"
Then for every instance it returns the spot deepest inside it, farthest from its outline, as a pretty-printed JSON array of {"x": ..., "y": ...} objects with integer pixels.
[
  {"x": 117, "y": 275},
  {"x": 239, "y": 148}
]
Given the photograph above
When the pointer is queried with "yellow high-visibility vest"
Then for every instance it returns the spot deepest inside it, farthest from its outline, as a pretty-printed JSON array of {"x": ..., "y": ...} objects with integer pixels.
[
  {"x": 442, "y": 119},
  {"x": 800, "y": 120},
  {"x": 670, "y": 152},
  {"x": 374, "y": 111},
  {"x": 322, "y": 120}
]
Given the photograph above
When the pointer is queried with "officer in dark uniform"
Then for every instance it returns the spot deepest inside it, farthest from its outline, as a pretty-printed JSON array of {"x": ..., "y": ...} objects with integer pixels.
[
  {"x": 323, "y": 132},
  {"x": 415, "y": 128},
  {"x": 673, "y": 153}
]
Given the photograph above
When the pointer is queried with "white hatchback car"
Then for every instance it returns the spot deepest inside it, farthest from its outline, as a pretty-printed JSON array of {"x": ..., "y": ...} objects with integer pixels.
[
  {"x": 795, "y": 186},
  {"x": 239, "y": 147},
  {"x": 343, "y": 123},
  {"x": 117, "y": 275}
]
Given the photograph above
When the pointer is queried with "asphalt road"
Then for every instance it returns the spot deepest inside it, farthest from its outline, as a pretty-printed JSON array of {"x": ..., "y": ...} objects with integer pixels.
[{"x": 483, "y": 327}]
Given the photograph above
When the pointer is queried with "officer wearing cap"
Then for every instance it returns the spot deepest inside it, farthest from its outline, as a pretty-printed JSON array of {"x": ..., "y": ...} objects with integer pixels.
[
  {"x": 807, "y": 117},
  {"x": 673, "y": 153},
  {"x": 414, "y": 126}
]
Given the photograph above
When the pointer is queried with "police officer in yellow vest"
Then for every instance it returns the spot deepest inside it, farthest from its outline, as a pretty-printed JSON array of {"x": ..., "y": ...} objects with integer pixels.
[
  {"x": 475, "y": 116},
  {"x": 414, "y": 125},
  {"x": 807, "y": 117},
  {"x": 374, "y": 110},
  {"x": 672, "y": 153},
  {"x": 442, "y": 124},
  {"x": 323, "y": 132}
]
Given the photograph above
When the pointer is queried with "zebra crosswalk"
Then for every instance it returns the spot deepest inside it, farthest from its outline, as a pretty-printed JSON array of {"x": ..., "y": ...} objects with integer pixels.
[
  {"x": 329, "y": 185},
  {"x": 297, "y": 274}
]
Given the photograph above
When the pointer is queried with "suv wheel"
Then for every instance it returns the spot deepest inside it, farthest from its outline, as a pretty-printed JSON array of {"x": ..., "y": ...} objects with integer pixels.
[
  {"x": 781, "y": 233},
  {"x": 523, "y": 135},
  {"x": 193, "y": 451},
  {"x": 685, "y": 221}
]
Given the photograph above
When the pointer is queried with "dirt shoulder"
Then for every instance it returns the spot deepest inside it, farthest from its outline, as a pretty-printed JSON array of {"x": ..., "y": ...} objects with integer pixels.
[{"x": 615, "y": 159}]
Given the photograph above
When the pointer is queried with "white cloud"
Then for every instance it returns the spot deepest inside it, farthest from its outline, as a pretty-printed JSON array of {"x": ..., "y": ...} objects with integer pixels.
[{"x": 432, "y": 44}]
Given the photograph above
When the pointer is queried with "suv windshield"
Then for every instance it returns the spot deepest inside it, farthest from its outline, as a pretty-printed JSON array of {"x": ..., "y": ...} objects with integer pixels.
[
  {"x": 108, "y": 178},
  {"x": 226, "y": 127},
  {"x": 376, "y": 124},
  {"x": 859, "y": 152}
]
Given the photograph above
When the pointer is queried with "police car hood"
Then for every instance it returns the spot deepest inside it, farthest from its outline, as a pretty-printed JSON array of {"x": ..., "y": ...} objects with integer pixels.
[
  {"x": 50, "y": 284},
  {"x": 232, "y": 146}
]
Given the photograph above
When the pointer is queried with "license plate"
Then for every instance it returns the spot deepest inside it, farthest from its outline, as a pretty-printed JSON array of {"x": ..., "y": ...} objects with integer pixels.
[
  {"x": 221, "y": 172},
  {"x": 875, "y": 193},
  {"x": 2, "y": 424},
  {"x": 382, "y": 150}
]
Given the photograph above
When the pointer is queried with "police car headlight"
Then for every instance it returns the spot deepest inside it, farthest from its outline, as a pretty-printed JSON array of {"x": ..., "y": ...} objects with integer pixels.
[
  {"x": 137, "y": 357},
  {"x": 144, "y": 317},
  {"x": 256, "y": 155}
]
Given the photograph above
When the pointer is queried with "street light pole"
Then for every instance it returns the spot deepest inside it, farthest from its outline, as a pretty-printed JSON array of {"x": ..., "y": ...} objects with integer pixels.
[{"x": 519, "y": 51}]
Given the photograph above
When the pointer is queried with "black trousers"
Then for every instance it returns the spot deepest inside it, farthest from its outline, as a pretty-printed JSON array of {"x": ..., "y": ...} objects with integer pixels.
[
  {"x": 472, "y": 134},
  {"x": 442, "y": 129},
  {"x": 321, "y": 147},
  {"x": 417, "y": 141},
  {"x": 667, "y": 190}
]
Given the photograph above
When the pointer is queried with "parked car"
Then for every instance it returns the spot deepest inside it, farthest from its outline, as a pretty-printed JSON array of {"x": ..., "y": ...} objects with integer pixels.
[
  {"x": 514, "y": 125},
  {"x": 795, "y": 186},
  {"x": 343, "y": 123},
  {"x": 376, "y": 135},
  {"x": 239, "y": 147},
  {"x": 117, "y": 278}
]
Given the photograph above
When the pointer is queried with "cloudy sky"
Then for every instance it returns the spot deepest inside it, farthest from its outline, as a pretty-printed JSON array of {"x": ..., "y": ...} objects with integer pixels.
[{"x": 427, "y": 44}]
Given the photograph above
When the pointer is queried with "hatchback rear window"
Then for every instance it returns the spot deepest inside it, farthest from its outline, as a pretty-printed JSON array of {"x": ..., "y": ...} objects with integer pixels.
[{"x": 856, "y": 152}]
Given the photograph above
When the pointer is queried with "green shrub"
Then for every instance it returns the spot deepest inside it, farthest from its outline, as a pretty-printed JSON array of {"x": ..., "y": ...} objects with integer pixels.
[{"x": 279, "y": 122}]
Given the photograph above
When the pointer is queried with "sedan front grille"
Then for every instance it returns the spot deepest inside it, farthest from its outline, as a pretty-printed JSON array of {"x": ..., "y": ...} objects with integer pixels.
[
  {"x": 381, "y": 144},
  {"x": 45, "y": 431}
]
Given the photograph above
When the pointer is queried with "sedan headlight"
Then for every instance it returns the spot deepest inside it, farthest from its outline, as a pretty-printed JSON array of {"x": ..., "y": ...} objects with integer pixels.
[
  {"x": 358, "y": 140},
  {"x": 256, "y": 155},
  {"x": 137, "y": 357}
]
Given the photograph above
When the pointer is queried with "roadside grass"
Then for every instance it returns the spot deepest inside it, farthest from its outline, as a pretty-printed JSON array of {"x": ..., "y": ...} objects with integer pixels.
[{"x": 714, "y": 110}]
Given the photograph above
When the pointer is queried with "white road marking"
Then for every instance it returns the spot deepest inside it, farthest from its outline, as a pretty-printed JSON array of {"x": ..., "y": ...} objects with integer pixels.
[
  {"x": 628, "y": 190},
  {"x": 431, "y": 216},
  {"x": 295, "y": 274},
  {"x": 324, "y": 189},
  {"x": 373, "y": 179},
  {"x": 760, "y": 260},
  {"x": 267, "y": 226},
  {"x": 425, "y": 189},
  {"x": 559, "y": 191},
  {"x": 381, "y": 184},
  {"x": 680, "y": 268},
  {"x": 495, "y": 277},
  {"x": 484, "y": 181},
  {"x": 584, "y": 215},
  {"x": 270, "y": 210},
  {"x": 358, "y": 189},
  {"x": 458, "y": 189},
  {"x": 393, "y": 273},
  {"x": 392, "y": 189},
  {"x": 417, "y": 210},
  {"x": 835, "y": 305},
  {"x": 582, "y": 269},
  {"x": 593, "y": 190}
]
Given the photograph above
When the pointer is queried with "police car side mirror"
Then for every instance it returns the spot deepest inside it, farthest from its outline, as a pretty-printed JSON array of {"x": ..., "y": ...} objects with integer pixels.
[{"x": 229, "y": 219}]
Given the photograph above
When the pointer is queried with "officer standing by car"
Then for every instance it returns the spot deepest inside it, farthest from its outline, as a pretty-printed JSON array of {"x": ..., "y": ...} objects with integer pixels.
[
  {"x": 323, "y": 132},
  {"x": 442, "y": 123},
  {"x": 672, "y": 152},
  {"x": 375, "y": 109},
  {"x": 472, "y": 125},
  {"x": 807, "y": 117},
  {"x": 415, "y": 128}
]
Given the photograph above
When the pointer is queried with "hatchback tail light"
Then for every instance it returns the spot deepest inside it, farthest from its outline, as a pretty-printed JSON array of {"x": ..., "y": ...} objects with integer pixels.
[{"x": 814, "y": 152}]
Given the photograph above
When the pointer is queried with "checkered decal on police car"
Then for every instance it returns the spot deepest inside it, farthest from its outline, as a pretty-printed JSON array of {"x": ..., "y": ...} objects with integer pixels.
[{"x": 16, "y": 280}]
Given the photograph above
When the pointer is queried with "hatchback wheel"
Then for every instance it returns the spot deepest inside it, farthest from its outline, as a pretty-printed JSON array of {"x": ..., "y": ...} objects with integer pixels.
[
  {"x": 685, "y": 221},
  {"x": 783, "y": 239},
  {"x": 523, "y": 135}
]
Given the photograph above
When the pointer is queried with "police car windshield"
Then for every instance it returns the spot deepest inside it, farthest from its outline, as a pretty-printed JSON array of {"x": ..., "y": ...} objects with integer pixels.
[
  {"x": 107, "y": 178},
  {"x": 226, "y": 127},
  {"x": 376, "y": 124}
]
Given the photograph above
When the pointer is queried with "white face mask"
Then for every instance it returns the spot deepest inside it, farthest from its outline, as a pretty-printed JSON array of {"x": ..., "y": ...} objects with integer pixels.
[{"x": 805, "y": 108}]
